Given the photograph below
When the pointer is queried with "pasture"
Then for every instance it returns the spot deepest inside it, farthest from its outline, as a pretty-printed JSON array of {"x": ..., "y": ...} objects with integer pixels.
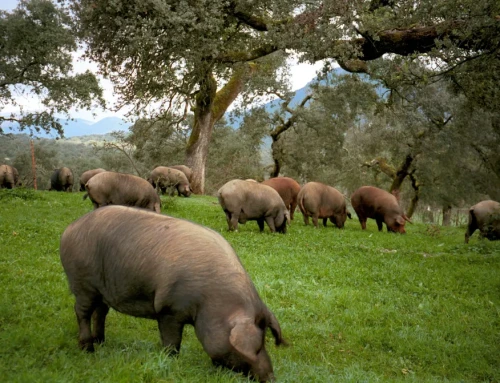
[{"x": 355, "y": 306}]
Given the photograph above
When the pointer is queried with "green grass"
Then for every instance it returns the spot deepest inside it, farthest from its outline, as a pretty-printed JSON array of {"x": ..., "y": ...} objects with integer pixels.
[{"x": 356, "y": 306}]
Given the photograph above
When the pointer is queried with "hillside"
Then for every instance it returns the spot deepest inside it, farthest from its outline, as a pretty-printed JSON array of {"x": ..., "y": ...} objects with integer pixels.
[{"x": 77, "y": 127}]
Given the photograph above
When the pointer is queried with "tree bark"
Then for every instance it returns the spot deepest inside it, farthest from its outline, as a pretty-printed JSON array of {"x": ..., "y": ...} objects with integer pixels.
[
  {"x": 401, "y": 174},
  {"x": 397, "y": 176},
  {"x": 275, "y": 172},
  {"x": 280, "y": 129},
  {"x": 446, "y": 215},
  {"x": 210, "y": 106},
  {"x": 416, "y": 196}
]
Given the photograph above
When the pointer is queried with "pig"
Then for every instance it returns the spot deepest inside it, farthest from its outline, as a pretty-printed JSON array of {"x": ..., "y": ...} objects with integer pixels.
[
  {"x": 484, "y": 216},
  {"x": 251, "y": 201},
  {"x": 85, "y": 176},
  {"x": 62, "y": 180},
  {"x": 372, "y": 202},
  {"x": 110, "y": 188},
  {"x": 318, "y": 200},
  {"x": 173, "y": 271},
  {"x": 163, "y": 178},
  {"x": 288, "y": 189},
  {"x": 186, "y": 170},
  {"x": 9, "y": 177}
]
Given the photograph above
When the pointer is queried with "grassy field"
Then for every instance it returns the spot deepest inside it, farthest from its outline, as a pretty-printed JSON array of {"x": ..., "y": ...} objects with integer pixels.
[{"x": 355, "y": 306}]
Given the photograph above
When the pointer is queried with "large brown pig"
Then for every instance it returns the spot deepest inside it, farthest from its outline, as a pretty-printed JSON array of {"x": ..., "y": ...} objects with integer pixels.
[
  {"x": 244, "y": 201},
  {"x": 173, "y": 271},
  {"x": 164, "y": 178},
  {"x": 322, "y": 201},
  {"x": 382, "y": 206},
  {"x": 62, "y": 180},
  {"x": 85, "y": 176},
  {"x": 288, "y": 189},
  {"x": 185, "y": 169},
  {"x": 9, "y": 177},
  {"x": 110, "y": 188},
  {"x": 484, "y": 216}
]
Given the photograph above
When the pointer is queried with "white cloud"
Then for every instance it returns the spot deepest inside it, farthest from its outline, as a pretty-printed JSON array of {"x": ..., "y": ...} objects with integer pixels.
[{"x": 301, "y": 74}]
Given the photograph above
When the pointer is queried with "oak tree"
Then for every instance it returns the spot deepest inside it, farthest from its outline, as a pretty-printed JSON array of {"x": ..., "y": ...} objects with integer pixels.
[
  {"x": 36, "y": 45},
  {"x": 178, "y": 55}
]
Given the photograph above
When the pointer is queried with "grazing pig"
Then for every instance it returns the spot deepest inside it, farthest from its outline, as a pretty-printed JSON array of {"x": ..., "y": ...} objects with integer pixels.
[
  {"x": 9, "y": 177},
  {"x": 372, "y": 202},
  {"x": 164, "y": 178},
  {"x": 110, "y": 188},
  {"x": 186, "y": 170},
  {"x": 173, "y": 271},
  {"x": 318, "y": 200},
  {"x": 84, "y": 178},
  {"x": 484, "y": 216},
  {"x": 288, "y": 189},
  {"x": 250, "y": 201},
  {"x": 62, "y": 180}
]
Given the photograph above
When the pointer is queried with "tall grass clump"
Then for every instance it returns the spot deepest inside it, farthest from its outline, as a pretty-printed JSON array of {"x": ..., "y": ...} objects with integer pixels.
[{"x": 355, "y": 306}]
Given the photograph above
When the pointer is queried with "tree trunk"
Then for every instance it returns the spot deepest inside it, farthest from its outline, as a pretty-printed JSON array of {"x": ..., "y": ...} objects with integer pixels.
[
  {"x": 446, "y": 215},
  {"x": 416, "y": 196},
  {"x": 276, "y": 158},
  {"x": 280, "y": 129},
  {"x": 197, "y": 153},
  {"x": 401, "y": 174},
  {"x": 210, "y": 106}
]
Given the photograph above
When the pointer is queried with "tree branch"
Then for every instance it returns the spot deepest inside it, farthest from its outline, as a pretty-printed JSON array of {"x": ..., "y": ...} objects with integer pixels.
[
  {"x": 225, "y": 96},
  {"x": 235, "y": 57}
]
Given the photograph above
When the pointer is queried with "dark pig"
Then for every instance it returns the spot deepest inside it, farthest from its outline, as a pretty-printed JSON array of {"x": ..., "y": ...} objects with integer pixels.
[
  {"x": 110, "y": 188},
  {"x": 484, "y": 216},
  {"x": 244, "y": 201},
  {"x": 318, "y": 200},
  {"x": 288, "y": 189},
  {"x": 382, "y": 206},
  {"x": 85, "y": 176},
  {"x": 173, "y": 271},
  {"x": 62, "y": 180}
]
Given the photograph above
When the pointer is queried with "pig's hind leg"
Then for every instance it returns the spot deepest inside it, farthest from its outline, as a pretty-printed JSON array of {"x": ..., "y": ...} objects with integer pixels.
[{"x": 84, "y": 308}]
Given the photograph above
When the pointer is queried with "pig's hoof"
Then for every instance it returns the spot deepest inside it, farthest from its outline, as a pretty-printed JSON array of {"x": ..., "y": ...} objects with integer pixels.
[{"x": 87, "y": 346}]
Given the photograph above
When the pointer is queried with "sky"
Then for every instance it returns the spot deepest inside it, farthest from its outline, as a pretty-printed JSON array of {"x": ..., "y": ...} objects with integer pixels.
[{"x": 300, "y": 75}]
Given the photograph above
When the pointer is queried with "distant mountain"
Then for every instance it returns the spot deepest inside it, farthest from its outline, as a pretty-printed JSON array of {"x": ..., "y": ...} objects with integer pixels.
[
  {"x": 272, "y": 106},
  {"x": 77, "y": 127}
]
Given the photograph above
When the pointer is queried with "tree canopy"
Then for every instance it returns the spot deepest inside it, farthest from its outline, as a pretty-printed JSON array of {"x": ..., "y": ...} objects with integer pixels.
[
  {"x": 36, "y": 45},
  {"x": 175, "y": 56}
]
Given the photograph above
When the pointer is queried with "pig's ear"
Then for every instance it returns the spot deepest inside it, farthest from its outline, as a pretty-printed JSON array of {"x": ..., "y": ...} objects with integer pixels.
[
  {"x": 275, "y": 329},
  {"x": 246, "y": 338}
]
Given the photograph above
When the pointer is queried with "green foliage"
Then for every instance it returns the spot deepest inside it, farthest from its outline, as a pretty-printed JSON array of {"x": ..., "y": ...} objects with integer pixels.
[
  {"x": 37, "y": 42},
  {"x": 18, "y": 193},
  {"x": 355, "y": 129},
  {"x": 355, "y": 305},
  {"x": 159, "y": 143},
  {"x": 233, "y": 154}
]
